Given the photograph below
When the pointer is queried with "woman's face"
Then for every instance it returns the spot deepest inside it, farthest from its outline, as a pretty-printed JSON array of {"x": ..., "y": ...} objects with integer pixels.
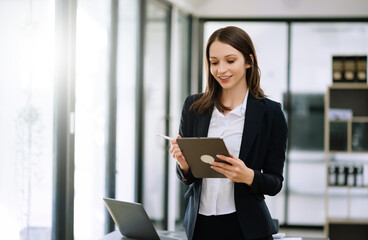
[{"x": 227, "y": 65}]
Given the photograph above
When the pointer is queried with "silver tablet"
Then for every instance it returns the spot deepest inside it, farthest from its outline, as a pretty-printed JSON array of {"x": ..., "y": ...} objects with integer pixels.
[{"x": 200, "y": 152}]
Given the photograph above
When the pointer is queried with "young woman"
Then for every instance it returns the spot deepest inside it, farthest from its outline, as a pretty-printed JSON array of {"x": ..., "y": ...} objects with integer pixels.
[{"x": 254, "y": 130}]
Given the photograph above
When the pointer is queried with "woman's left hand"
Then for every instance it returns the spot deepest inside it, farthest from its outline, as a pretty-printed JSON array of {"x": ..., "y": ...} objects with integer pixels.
[{"x": 236, "y": 170}]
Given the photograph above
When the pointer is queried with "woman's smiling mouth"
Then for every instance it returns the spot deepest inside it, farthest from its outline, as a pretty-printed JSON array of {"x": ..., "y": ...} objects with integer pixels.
[{"x": 225, "y": 78}]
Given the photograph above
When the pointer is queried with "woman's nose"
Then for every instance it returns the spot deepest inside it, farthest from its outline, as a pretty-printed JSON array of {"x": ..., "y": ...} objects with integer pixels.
[{"x": 222, "y": 68}]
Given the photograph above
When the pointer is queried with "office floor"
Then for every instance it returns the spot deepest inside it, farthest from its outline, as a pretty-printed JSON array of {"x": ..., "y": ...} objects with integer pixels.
[{"x": 302, "y": 232}]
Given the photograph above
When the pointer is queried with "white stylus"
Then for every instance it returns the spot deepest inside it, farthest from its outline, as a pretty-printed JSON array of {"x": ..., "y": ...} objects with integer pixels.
[{"x": 166, "y": 137}]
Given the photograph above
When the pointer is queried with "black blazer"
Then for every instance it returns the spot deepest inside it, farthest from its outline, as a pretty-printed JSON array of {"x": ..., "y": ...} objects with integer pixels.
[{"x": 262, "y": 149}]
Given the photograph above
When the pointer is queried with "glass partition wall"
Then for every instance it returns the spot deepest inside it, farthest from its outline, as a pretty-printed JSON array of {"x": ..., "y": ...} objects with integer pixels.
[{"x": 312, "y": 47}]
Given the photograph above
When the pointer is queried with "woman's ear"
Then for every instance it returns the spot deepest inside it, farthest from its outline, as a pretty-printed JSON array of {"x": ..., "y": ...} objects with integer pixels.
[
  {"x": 252, "y": 57},
  {"x": 248, "y": 65}
]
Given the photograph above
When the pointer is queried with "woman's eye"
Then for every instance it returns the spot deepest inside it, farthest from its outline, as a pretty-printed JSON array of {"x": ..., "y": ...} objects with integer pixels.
[
  {"x": 231, "y": 61},
  {"x": 213, "y": 63}
]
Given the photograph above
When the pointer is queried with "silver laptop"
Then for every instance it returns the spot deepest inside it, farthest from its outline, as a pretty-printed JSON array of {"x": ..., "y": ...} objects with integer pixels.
[{"x": 134, "y": 223}]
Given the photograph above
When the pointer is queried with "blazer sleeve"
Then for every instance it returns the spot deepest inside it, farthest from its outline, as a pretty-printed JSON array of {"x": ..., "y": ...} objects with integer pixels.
[
  {"x": 186, "y": 130},
  {"x": 269, "y": 180}
]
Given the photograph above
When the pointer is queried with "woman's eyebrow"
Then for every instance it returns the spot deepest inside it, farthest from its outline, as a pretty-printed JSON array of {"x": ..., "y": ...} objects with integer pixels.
[{"x": 229, "y": 55}]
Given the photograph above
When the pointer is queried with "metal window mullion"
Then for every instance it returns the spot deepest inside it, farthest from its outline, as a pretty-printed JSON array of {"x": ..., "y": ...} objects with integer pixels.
[
  {"x": 139, "y": 97},
  {"x": 167, "y": 118},
  {"x": 200, "y": 56},
  {"x": 64, "y": 108},
  {"x": 110, "y": 168},
  {"x": 289, "y": 110},
  {"x": 189, "y": 57}
]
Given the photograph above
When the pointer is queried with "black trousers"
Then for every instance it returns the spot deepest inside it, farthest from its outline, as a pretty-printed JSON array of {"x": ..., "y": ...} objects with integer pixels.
[{"x": 219, "y": 228}]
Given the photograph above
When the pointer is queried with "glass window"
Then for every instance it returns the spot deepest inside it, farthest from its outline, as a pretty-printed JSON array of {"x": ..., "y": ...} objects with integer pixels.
[
  {"x": 155, "y": 68},
  {"x": 93, "y": 19},
  {"x": 183, "y": 56},
  {"x": 126, "y": 78},
  {"x": 180, "y": 89},
  {"x": 26, "y": 122}
]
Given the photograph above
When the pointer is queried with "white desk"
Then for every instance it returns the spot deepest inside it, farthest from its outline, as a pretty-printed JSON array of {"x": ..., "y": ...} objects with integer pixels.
[{"x": 116, "y": 235}]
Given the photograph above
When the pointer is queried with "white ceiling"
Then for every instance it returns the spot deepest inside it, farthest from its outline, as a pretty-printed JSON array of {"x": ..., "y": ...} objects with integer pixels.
[{"x": 274, "y": 8}]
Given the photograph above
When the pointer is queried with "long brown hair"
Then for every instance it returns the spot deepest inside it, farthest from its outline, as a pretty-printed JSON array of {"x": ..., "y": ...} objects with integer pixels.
[{"x": 240, "y": 40}]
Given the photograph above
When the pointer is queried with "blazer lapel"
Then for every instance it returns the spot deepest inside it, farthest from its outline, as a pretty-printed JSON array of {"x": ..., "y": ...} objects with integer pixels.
[
  {"x": 203, "y": 123},
  {"x": 253, "y": 120}
]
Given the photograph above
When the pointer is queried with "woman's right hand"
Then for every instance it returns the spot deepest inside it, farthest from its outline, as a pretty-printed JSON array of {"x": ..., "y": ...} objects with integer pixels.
[{"x": 178, "y": 155}]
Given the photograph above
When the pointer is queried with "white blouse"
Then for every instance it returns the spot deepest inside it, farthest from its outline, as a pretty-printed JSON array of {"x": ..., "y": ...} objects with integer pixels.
[{"x": 217, "y": 196}]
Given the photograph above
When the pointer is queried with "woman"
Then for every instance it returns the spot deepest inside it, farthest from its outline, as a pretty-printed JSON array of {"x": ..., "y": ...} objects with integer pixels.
[{"x": 254, "y": 130}]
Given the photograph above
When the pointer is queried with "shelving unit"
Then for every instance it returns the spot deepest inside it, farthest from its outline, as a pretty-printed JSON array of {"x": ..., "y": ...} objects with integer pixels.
[{"x": 346, "y": 154}]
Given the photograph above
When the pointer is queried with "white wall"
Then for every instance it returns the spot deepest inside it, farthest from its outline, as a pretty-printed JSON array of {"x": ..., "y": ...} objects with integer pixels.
[{"x": 275, "y": 8}]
